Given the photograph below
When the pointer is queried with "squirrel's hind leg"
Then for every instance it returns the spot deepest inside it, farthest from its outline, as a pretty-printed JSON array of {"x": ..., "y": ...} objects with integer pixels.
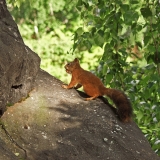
[{"x": 91, "y": 98}]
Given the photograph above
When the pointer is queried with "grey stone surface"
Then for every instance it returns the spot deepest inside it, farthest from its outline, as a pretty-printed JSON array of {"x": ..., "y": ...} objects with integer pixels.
[
  {"x": 57, "y": 124},
  {"x": 18, "y": 64},
  {"x": 5, "y": 153}
]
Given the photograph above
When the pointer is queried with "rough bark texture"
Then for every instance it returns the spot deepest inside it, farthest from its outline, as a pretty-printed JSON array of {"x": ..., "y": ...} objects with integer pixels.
[
  {"x": 52, "y": 123},
  {"x": 18, "y": 64}
]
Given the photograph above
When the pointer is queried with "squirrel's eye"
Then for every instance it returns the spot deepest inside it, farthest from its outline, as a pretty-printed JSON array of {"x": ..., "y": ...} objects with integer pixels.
[{"x": 68, "y": 64}]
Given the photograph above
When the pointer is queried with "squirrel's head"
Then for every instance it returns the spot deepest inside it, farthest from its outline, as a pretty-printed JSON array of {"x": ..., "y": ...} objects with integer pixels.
[{"x": 72, "y": 65}]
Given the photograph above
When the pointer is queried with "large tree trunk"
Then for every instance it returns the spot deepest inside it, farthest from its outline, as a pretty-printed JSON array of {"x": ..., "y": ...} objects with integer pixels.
[{"x": 53, "y": 123}]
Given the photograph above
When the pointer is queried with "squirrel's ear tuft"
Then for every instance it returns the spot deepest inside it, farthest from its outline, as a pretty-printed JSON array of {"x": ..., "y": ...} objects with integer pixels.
[{"x": 76, "y": 60}]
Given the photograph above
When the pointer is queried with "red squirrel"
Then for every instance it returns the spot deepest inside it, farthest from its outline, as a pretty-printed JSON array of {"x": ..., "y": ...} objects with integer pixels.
[{"x": 94, "y": 88}]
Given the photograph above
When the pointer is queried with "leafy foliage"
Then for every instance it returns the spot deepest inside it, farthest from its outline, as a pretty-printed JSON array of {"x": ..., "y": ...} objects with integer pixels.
[
  {"x": 47, "y": 27},
  {"x": 128, "y": 33}
]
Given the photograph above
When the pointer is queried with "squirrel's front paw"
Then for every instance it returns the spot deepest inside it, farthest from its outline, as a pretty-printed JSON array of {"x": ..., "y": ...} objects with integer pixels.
[{"x": 64, "y": 86}]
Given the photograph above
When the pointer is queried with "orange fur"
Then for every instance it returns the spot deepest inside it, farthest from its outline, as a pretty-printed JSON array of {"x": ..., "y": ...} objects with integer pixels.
[{"x": 93, "y": 87}]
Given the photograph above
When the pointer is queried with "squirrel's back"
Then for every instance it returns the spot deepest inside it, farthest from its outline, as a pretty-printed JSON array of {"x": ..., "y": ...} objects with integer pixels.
[{"x": 91, "y": 84}]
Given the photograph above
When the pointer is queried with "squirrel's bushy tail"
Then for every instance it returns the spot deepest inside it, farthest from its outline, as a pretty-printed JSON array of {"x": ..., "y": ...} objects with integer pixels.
[{"x": 122, "y": 103}]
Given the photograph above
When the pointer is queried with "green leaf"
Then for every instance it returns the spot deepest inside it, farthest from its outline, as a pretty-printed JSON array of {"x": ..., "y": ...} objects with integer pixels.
[
  {"x": 151, "y": 49},
  {"x": 134, "y": 2},
  {"x": 87, "y": 44},
  {"x": 86, "y": 5},
  {"x": 109, "y": 78},
  {"x": 125, "y": 7},
  {"x": 79, "y": 5},
  {"x": 99, "y": 40},
  {"x": 147, "y": 39},
  {"x": 79, "y": 31},
  {"x": 146, "y": 12},
  {"x": 134, "y": 25},
  {"x": 139, "y": 116}
]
